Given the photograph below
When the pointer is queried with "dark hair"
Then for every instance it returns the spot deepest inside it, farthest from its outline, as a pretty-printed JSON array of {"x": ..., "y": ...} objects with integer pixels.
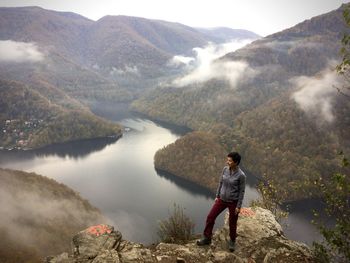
[{"x": 235, "y": 157}]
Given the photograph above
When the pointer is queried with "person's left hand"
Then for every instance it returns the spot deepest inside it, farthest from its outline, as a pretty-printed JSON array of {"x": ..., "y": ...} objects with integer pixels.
[{"x": 237, "y": 210}]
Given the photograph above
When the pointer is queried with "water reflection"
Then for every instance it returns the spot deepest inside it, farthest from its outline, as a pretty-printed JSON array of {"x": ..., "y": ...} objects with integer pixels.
[
  {"x": 186, "y": 185},
  {"x": 74, "y": 150},
  {"x": 120, "y": 113},
  {"x": 298, "y": 224},
  {"x": 197, "y": 189},
  {"x": 119, "y": 178}
]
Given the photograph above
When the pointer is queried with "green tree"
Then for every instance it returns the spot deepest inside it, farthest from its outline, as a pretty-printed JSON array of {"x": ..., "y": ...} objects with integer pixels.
[{"x": 336, "y": 195}]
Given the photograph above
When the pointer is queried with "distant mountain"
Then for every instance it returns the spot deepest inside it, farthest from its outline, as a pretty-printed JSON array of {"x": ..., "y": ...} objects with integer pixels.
[
  {"x": 112, "y": 41},
  {"x": 39, "y": 216},
  {"x": 225, "y": 34},
  {"x": 275, "y": 111},
  {"x": 304, "y": 49},
  {"x": 130, "y": 40},
  {"x": 70, "y": 60},
  {"x": 121, "y": 41},
  {"x": 59, "y": 38},
  {"x": 59, "y": 31},
  {"x": 112, "y": 58},
  {"x": 83, "y": 39}
]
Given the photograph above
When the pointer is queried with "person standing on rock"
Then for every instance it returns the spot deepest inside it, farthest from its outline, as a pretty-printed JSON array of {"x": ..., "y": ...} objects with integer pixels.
[{"x": 229, "y": 195}]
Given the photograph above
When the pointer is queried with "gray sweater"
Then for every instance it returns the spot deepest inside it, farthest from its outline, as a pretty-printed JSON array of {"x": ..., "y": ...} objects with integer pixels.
[{"x": 232, "y": 186}]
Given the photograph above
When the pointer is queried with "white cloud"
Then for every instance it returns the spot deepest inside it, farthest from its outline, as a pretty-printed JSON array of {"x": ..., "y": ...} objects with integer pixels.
[
  {"x": 316, "y": 93},
  {"x": 230, "y": 71},
  {"x": 25, "y": 212},
  {"x": 205, "y": 65},
  {"x": 180, "y": 61},
  {"x": 127, "y": 70},
  {"x": 12, "y": 51}
]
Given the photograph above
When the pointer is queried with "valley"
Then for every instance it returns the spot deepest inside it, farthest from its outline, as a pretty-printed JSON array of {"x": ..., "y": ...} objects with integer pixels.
[{"x": 128, "y": 108}]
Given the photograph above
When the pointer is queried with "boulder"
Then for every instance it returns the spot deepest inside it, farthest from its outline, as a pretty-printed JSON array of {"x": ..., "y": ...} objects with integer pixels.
[
  {"x": 91, "y": 241},
  {"x": 260, "y": 240},
  {"x": 107, "y": 256},
  {"x": 130, "y": 252}
]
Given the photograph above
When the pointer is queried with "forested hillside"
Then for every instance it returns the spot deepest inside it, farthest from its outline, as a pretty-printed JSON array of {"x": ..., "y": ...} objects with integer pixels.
[
  {"x": 196, "y": 157},
  {"x": 73, "y": 62},
  {"x": 282, "y": 111},
  {"x": 29, "y": 120}
]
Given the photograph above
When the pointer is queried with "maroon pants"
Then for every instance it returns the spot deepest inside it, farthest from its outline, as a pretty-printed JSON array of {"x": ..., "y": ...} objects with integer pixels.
[{"x": 217, "y": 208}]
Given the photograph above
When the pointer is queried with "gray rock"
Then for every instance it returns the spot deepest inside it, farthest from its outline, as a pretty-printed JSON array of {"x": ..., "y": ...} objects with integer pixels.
[
  {"x": 224, "y": 256},
  {"x": 137, "y": 254},
  {"x": 107, "y": 256},
  {"x": 89, "y": 242},
  {"x": 62, "y": 258},
  {"x": 260, "y": 240},
  {"x": 189, "y": 252}
]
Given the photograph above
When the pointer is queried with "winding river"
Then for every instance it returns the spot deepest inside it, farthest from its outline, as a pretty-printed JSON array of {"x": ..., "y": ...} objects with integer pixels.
[{"x": 118, "y": 177}]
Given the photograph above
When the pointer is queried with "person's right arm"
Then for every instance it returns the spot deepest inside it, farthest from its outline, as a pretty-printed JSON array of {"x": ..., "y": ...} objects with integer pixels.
[{"x": 220, "y": 185}]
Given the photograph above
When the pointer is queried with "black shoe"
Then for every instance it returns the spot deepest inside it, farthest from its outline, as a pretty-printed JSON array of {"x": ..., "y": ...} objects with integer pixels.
[
  {"x": 204, "y": 241},
  {"x": 231, "y": 245}
]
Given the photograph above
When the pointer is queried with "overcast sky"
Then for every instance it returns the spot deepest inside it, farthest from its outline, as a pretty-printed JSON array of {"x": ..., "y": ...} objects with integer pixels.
[{"x": 263, "y": 17}]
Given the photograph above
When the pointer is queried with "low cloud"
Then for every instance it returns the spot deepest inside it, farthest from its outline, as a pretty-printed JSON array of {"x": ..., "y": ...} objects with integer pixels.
[
  {"x": 18, "y": 52},
  {"x": 316, "y": 94},
  {"x": 32, "y": 216},
  {"x": 205, "y": 66},
  {"x": 231, "y": 71},
  {"x": 180, "y": 61},
  {"x": 127, "y": 70}
]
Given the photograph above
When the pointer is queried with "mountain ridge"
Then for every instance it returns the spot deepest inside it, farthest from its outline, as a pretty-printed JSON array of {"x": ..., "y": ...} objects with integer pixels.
[
  {"x": 50, "y": 21},
  {"x": 283, "y": 64},
  {"x": 227, "y": 34},
  {"x": 124, "y": 55}
]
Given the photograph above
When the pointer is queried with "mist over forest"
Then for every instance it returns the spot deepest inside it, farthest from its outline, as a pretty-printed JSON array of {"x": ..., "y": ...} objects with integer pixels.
[{"x": 278, "y": 100}]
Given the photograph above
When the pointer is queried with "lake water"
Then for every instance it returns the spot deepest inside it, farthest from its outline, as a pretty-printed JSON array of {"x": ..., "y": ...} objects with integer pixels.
[{"x": 119, "y": 178}]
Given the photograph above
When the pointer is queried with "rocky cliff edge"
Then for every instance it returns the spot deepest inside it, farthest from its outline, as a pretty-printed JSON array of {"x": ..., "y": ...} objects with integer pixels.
[{"x": 260, "y": 239}]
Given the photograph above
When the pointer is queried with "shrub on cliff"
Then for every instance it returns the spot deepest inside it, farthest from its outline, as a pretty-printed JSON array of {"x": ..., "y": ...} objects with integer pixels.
[
  {"x": 178, "y": 228},
  {"x": 271, "y": 198}
]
